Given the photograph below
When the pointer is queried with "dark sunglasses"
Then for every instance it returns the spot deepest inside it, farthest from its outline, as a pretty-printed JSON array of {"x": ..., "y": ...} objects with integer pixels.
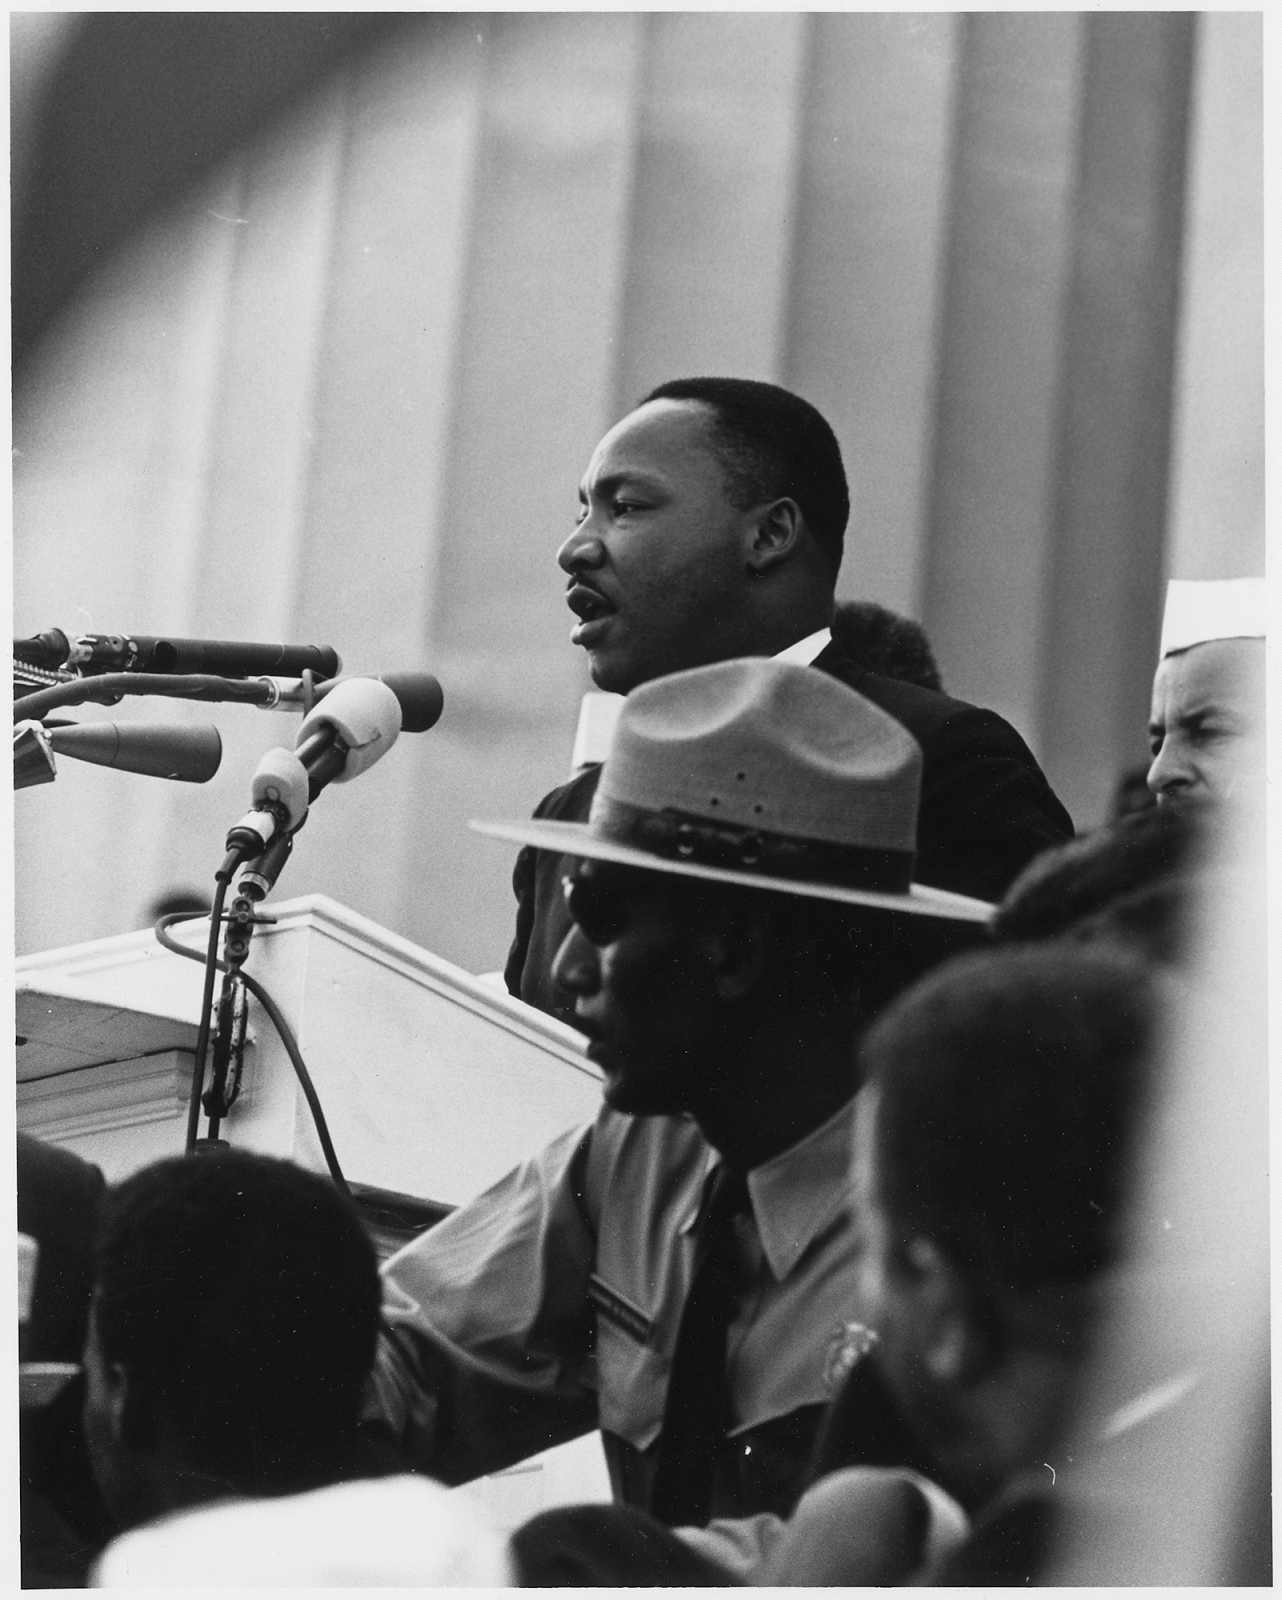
[{"x": 599, "y": 905}]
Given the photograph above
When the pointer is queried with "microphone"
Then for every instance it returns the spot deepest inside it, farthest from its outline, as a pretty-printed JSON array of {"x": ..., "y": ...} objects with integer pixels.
[
  {"x": 157, "y": 750},
  {"x": 48, "y": 649},
  {"x": 341, "y": 737},
  {"x": 419, "y": 694},
  {"x": 114, "y": 652}
]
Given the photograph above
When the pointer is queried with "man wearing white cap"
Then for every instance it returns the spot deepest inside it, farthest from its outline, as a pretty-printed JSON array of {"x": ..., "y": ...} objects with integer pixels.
[
  {"x": 681, "y": 1274},
  {"x": 1206, "y": 725}
]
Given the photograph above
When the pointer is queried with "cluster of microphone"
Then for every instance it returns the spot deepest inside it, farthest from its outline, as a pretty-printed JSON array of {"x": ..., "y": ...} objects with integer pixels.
[{"x": 349, "y": 722}]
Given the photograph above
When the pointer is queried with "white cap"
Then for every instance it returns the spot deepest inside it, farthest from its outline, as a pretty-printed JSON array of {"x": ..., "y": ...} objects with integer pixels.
[
  {"x": 398, "y": 1532},
  {"x": 1217, "y": 608}
]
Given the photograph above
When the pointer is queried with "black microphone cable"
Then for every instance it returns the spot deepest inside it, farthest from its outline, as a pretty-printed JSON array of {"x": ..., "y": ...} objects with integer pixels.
[{"x": 212, "y": 965}]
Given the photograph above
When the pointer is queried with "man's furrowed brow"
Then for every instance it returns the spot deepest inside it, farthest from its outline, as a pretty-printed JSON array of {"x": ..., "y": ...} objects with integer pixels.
[{"x": 626, "y": 478}]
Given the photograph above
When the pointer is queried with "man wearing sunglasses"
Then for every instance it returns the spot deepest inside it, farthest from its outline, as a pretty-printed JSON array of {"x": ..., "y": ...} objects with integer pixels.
[
  {"x": 711, "y": 527},
  {"x": 682, "y": 1273}
]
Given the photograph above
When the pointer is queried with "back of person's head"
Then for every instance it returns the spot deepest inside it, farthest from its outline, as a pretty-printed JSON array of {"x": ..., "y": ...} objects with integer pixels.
[
  {"x": 1101, "y": 879},
  {"x": 773, "y": 445},
  {"x": 1009, "y": 1088},
  {"x": 238, "y": 1295},
  {"x": 886, "y": 643}
]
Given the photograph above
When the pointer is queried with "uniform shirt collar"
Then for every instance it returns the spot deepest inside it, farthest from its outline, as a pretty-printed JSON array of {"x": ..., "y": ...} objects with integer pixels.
[
  {"x": 797, "y": 1192},
  {"x": 794, "y": 1194},
  {"x": 806, "y": 651}
]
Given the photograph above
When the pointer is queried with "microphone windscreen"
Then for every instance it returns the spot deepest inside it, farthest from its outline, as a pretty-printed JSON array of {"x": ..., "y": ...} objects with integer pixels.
[
  {"x": 366, "y": 716},
  {"x": 420, "y": 696},
  {"x": 157, "y": 749}
]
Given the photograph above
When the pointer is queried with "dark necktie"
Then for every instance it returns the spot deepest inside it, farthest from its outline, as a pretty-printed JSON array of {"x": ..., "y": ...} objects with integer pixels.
[{"x": 694, "y": 1414}]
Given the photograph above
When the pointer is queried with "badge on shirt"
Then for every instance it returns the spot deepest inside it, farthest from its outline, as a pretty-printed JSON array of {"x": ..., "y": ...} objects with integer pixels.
[
  {"x": 617, "y": 1308},
  {"x": 847, "y": 1347}
]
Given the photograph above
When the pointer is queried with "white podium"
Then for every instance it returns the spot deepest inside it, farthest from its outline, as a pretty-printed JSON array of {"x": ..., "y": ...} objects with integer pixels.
[{"x": 433, "y": 1082}]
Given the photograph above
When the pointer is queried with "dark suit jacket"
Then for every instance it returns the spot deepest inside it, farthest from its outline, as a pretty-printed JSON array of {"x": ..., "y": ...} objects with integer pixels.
[{"x": 986, "y": 810}]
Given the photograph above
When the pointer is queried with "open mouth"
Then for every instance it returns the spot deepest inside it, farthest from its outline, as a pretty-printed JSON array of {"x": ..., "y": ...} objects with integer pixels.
[{"x": 593, "y": 610}]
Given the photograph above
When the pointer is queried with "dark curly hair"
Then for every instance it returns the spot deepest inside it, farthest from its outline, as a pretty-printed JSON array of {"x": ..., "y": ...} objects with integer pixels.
[
  {"x": 1134, "y": 879},
  {"x": 886, "y": 643}
]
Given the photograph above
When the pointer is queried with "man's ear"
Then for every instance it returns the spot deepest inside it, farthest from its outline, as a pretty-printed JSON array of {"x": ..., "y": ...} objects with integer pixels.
[
  {"x": 130, "y": 1411},
  {"x": 953, "y": 1340},
  {"x": 111, "y": 1382},
  {"x": 777, "y": 530}
]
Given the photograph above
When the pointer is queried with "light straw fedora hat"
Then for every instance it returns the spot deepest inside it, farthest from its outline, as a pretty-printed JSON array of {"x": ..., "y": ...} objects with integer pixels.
[{"x": 759, "y": 773}]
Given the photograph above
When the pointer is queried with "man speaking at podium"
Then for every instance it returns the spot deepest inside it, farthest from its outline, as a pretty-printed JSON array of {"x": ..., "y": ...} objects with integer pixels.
[
  {"x": 711, "y": 528},
  {"x": 681, "y": 1274}
]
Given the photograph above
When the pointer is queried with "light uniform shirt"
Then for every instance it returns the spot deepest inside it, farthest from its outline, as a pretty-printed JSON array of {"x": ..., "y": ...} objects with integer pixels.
[{"x": 550, "y": 1306}]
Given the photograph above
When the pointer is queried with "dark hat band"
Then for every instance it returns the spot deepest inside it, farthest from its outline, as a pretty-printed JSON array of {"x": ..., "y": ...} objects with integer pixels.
[{"x": 682, "y": 836}]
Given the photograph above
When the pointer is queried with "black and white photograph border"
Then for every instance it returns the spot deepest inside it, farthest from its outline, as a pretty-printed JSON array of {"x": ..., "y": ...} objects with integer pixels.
[{"x": 322, "y": 324}]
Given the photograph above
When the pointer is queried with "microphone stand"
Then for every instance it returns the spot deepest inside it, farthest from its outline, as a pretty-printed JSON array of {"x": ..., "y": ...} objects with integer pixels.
[
  {"x": 324, "y": 757},
  {"x": 228, "y": 1036}
]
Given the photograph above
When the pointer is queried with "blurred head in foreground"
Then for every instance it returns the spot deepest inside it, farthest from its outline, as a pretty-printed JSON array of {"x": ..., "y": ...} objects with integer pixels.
[
  {"x": 991, "y": 1162},
  {"x": 1136, "y": 881},
  {"x": 232, "y": 1327},
  {"x": 1206, "y": 724}
]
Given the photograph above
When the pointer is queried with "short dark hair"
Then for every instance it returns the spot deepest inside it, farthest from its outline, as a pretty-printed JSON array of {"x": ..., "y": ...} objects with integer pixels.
[
  {"x": 241, "y": 1295},
  {"x": 771, "y": 444},
  {"x": 886, "y": 643},
  {"x": 1011, "y": 1086}
]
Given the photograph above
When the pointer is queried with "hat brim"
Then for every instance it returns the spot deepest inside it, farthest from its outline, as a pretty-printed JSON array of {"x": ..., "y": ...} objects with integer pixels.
[{"x": 578, "y": 839}]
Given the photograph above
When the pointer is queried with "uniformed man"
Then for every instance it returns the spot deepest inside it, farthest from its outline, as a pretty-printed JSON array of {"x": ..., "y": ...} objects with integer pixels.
[{"x": 680, "y": 1274}]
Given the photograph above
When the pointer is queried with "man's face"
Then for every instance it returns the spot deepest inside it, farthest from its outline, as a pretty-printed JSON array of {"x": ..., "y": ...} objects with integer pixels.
[
  {"x": 642, "y": 990},
  {"x": 1206, "y": 726},
  {"x": 656, "y": 566}
]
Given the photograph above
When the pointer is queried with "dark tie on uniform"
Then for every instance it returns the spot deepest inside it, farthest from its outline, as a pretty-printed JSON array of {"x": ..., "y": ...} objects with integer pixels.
[{"x": 695, "y": 1412}]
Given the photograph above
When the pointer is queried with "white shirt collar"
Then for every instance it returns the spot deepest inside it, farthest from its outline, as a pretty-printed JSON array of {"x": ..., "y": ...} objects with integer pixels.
[
  {"x": 599, "y": 712},
  {"x": 806, "y": 651}
]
